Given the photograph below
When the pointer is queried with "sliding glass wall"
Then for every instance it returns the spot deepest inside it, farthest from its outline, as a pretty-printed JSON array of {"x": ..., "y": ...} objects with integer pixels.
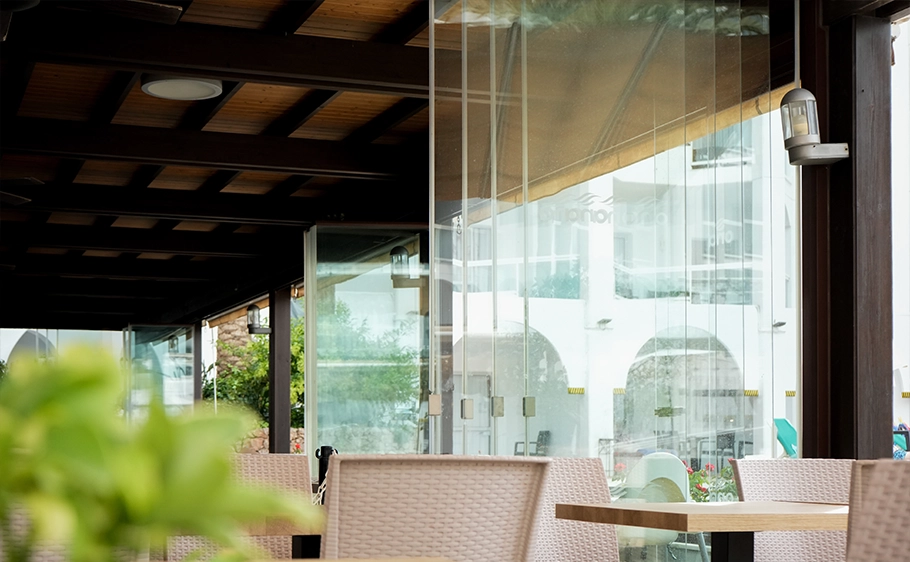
[{"x": 615, "y": 233}]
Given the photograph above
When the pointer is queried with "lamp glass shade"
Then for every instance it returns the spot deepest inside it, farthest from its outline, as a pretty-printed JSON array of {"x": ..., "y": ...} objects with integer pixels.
[
  {"x": 799, "y": 117},
  {"x": 398, "y": 258},
  {"x": 252, "y": 316}
]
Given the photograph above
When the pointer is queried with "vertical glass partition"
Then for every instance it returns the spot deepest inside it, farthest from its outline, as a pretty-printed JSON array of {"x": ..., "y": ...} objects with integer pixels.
[
  {"x": 614, "y": 239},
  {"x": 365, "y": 330},
  {"x": 160, "y": 360}
]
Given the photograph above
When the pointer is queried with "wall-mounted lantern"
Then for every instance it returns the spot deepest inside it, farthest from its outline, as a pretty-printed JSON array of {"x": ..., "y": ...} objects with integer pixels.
[
  {"x": 799, "y": 114},
  {"x": 252, "y": 321},
  {"x": 399, "y": 258}
]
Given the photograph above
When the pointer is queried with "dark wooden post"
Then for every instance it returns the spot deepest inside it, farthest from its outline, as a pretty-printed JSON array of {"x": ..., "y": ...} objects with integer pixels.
[
  {"x": 859, "y": 67},
  {"x": 280, "y": 370}
]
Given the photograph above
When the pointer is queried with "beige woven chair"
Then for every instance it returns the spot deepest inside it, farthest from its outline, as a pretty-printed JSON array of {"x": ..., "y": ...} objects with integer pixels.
[
  {"x": 878, "y": 511},
  {"x": 809, "y": 480},
  {"x": 285, "y": 471},
  {"x": 465, "y": 508},
  {"x": 559, "y": 540}
]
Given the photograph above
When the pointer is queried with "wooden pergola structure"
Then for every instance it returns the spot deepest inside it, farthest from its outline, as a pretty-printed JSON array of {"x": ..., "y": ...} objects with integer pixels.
[{"x": 123, "y": 208}]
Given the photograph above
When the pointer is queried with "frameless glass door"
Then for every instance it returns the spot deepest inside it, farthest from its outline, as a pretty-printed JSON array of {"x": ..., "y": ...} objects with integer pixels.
[{"x": 160, "y": 364}]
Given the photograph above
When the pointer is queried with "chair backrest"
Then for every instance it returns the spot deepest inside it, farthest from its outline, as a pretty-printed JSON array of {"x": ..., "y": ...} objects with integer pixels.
[
  {"x": 786, "y": 436},
  {"x": 558, "y": 540},
  {"x": 288, "y": 472},
  {"x": 466, "y": 508},
  {"x": 543, "y": 442},
  {"x": 806, "y": 480},
  {"x": 878, "y": 511}
]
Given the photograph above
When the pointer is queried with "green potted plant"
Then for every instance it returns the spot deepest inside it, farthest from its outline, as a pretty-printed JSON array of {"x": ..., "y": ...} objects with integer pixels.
[{"x": 108, "y": 489}]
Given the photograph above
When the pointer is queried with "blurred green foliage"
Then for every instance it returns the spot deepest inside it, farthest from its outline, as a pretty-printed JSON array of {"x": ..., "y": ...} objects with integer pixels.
[{"x": 110, "y": 489}]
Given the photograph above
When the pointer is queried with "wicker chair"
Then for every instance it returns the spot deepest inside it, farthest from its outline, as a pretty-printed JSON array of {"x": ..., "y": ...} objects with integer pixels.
[
  {"x": 811, "y": 480},
  {"x": 878, "y": 511},
  {"x": 285, "y": 471},
  {"x": 558, "y": 540},
  {"x": 465, "y": 508}
]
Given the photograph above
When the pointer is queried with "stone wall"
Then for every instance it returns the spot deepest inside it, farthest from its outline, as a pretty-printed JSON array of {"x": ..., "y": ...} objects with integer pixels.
[
  {"x": 232, "y": 333},
  {"x": 258, "y": 440}
]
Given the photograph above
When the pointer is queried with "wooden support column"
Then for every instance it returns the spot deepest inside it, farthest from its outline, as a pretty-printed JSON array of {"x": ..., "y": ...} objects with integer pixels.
[
  {"x": 280, "y": 370},
  {"x": 859, "y": 69},
  {"x": 815, "y": 435}
]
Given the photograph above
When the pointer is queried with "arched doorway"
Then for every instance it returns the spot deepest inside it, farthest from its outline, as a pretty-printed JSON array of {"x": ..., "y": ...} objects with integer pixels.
[{"x": 684, "y": 393}]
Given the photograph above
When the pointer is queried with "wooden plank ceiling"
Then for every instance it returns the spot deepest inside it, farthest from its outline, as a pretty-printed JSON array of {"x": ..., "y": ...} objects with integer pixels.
[{"x": 121, "y": 208}]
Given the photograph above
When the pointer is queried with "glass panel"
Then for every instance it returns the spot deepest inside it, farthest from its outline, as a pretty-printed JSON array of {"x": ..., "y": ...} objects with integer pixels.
[
  {"x": 161, "y": 364},
  {"x": 616, "y": 232},
  {"x": 900, "y": 221},
  {"x": 370, "y": 397}
]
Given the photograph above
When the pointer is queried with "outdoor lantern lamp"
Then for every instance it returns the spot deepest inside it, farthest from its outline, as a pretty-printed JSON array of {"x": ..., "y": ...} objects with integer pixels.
[
  {"x": 799, "y": 114},
  {"x": 252, "y": 321},
  {"x": 401, "y": 269}
]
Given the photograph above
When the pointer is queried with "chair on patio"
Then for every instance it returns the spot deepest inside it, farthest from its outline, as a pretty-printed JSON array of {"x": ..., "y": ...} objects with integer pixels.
[
  {"x": 877, "y": 526},
  {"x": 558, "y": 540},
  {"x": 539, "y": 448},
  {"x": 288, "y": 472},
  {"x": 806, "y": 480},
  {"x": 465, "y": 508}
]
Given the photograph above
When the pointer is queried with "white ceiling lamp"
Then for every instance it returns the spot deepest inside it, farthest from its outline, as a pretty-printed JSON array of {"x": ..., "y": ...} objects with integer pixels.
[{"x": 183, "y": 88}]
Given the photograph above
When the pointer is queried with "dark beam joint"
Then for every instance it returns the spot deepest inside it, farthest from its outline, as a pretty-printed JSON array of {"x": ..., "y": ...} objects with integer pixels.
[
  {"x": 218, "y": 181},
  {"x": 114, "y": 95},
  {"x": 199, "y": 115},
  {"x": 388, "y": 119},
  {"x": 300, "y": 113},
  {"x": 290, "y": 16}
]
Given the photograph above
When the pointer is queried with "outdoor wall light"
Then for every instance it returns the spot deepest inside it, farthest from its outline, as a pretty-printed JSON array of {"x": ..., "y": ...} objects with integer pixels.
[
  {"x": 799, "y": 114},
  {"x": 252, "y": 321},
  {"x": 401, "y": 269}
]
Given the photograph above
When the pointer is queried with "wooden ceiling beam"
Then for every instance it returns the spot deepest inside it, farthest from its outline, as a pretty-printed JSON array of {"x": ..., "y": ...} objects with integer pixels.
[
  {"x": 199, "y": 148},
  {"x": 224, "y": 53},
  {"x": 372, "y": 204},
  {"x": 113, "y": 289},
  {"x": 142, "y": 240},
  {"x": 113, "y": 268},
  {"x": 167, "y": 204}
]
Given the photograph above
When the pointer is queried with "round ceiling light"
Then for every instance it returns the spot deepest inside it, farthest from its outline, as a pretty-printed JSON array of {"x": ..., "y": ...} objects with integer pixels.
[{"x": 183, "y": 88}]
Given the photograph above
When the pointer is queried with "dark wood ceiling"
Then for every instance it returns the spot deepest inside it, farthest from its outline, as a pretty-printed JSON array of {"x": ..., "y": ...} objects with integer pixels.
[{"x": 124, "y": 208}]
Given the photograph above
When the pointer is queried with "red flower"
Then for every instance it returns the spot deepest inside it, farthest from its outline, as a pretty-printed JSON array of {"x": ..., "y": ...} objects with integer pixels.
[
  {"x": 689, "y": 470},
  {"x": 710, "y": 467},
  {"x": 619, "y": 467},
  {"x": 297, "y": 447},
  {"x": 684, "y": 462},
  {"x": 701, "y": 487}
]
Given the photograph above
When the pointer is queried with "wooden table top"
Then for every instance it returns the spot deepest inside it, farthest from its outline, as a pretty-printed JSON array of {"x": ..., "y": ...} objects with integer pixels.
[{"x": 716, "y": 517}]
